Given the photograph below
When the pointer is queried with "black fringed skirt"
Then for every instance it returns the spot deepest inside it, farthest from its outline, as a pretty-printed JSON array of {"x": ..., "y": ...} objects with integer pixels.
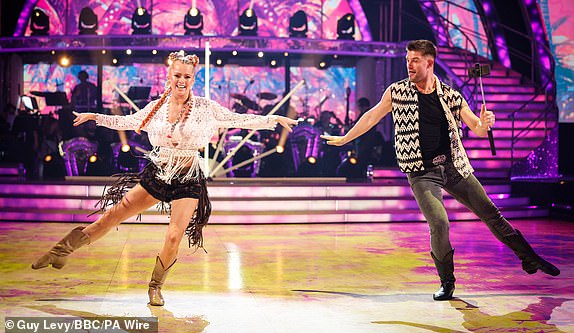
[{"x": 194, "y": 188}]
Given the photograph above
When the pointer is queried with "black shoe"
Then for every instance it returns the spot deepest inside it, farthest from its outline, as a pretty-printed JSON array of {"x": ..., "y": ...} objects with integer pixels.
[
  {"x": 444, "y": 293},
  {"x": 531, "y": 261},
  {"x": 533, "y": 264}
]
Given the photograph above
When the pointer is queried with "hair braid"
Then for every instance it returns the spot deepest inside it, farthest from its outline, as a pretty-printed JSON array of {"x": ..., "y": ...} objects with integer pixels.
[{"x": 154, "y": 110}]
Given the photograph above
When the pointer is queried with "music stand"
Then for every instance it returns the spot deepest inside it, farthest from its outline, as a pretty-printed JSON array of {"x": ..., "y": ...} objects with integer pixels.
[
  {"x": 28, "y": 103},
  {"x": 139, "y": 93},
  {"x": 57, "y": 98}
]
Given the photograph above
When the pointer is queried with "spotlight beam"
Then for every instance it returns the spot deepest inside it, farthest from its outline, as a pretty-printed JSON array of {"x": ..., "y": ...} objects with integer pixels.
[
  {"x": 124, "y": 96},
  {"x": 122, "y": 134},
  {"x": 242, "y": 142},
  {"x": 219, "y": 145},
  {"x": 253, "y": 159}
]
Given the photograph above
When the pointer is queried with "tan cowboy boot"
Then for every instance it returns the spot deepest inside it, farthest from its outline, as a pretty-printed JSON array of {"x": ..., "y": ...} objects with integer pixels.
[
  {"x": 58, "y": 255},
  {"x": 157, "y": 279}
]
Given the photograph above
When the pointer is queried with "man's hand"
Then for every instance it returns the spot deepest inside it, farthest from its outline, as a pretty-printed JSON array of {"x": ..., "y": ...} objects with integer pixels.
[
  {"x": 83, "y": 117},
  {"x": 486, "y": 118},
  {"x": 287, "y": 122},
  {"x": 334, "y": 140}
]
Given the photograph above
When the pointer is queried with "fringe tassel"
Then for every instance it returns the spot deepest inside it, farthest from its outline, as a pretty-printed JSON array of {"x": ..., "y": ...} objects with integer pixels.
[
  {"x": 116, "y": 192},
  {"x": 181, "y": 167},
  {"x": 164, "y": 208},
  {"x": 199, "y": 219}
]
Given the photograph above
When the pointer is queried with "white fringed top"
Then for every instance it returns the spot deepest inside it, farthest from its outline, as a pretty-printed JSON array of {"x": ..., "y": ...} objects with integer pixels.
[{"x": 176, "y": 154}]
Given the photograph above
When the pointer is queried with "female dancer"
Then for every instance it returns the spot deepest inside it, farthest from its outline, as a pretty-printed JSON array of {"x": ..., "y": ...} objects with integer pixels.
[{"x": 178, "y": 124}]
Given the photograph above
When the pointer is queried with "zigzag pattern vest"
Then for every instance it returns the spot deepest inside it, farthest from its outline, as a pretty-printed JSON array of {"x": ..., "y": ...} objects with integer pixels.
[{"x": 405, "y": 111}]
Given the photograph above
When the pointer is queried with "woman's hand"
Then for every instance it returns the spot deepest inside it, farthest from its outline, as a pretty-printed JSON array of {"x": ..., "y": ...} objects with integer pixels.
[
  {"x": 286, "y": 122},
  {"x": 83, "y": 117},
  {"x": 334, "y": 140}
]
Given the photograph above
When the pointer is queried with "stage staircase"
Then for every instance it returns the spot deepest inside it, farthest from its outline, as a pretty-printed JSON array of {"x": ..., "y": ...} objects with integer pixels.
[{"x": 505, "y": 92}]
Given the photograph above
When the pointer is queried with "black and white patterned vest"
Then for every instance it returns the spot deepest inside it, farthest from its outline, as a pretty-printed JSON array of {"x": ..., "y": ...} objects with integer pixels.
[{"x": 405, "y": 110}]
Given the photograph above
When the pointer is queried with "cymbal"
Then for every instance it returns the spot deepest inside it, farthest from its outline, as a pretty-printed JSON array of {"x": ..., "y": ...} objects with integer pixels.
[
  {"x": 246, "y": 101},
  {"x": 250, "y": 104},
  {"x": 267, "y": 95},
  {"x": 237, "y": 96}
]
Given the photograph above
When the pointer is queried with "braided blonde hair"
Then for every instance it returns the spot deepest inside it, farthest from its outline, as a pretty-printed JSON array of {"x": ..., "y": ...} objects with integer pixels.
[
  {"x": 154, "y": 110},
  {"x": 190, "y": 59}
]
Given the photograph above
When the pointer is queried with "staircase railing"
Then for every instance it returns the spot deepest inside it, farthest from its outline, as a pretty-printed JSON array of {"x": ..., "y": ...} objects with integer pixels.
[{"x": 544, "y": 82}]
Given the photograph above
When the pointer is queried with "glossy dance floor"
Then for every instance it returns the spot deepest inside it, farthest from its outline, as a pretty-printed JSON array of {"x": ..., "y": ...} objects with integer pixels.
[{"x": 297, "y": 278}]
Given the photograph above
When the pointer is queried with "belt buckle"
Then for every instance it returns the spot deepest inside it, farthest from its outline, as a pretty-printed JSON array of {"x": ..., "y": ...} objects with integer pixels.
[{"x": 438, "y": 160}]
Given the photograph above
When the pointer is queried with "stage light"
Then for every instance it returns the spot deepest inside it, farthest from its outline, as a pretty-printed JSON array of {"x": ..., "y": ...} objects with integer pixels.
[
  {"x": 298, "y": 25},
  {"x": 307, "y": 169},
  {"x": 280, "y": 149},
  {"x": 53, "y": 167},
  {"x": 324, "y": 62},
  {"x": 53, "y": 52},
  {"x": 115, "y": 61},
  {"x": 125, "y": 148},
  {"x": 97, "y": 167},
  {"x": 64, "y": 61},
  {"x": 104, "y": 52},
  {"x": 350, "y": 168},
  {"x": 154, "y": 52},
  {"x": 88, "y": 22},
  {"x": 193, "y": 22},
  {"x": 273, "y": 63},
  {"x": 129, "y": 52},
  {"x": 127, "y": 161},
  {"x": 346, "y": 27},
  {"x": 260, "y": 54},
  {"x": 141, "y": 22},
  {"x": 248, "y": 23},
  {"x": 312, "y": 159},
  {"x": 219, "y": 62},
  {"x": 39, "y": 23},
  {"x": 234, "y": 52}
]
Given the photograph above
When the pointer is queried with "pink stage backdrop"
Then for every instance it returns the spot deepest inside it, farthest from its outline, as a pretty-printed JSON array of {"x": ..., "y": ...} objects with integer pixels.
[{"x": 220, "y": 17}]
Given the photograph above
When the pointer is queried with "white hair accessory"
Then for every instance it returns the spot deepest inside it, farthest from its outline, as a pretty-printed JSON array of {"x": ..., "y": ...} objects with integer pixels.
[{"x": 186, "y": 59}]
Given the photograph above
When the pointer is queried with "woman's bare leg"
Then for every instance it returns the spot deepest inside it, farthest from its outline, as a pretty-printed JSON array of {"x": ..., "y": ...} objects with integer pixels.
[
  {"x": 181, "y": 213},
  {"x": 134, "y": 202}
]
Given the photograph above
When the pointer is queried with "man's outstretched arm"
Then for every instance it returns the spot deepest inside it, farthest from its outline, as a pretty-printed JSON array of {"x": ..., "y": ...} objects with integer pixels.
[{"x": 365, "y": 123}]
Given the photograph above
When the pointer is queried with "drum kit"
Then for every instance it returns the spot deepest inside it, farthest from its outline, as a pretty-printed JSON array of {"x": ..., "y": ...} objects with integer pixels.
[{"x": 243, "y": 104}]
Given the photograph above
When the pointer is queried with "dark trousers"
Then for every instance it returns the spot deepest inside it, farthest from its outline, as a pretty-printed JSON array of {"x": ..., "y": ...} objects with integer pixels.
[{"x": 426, "y": 186}]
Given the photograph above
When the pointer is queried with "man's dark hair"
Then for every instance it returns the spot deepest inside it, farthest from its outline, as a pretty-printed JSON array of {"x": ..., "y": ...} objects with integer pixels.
[
  {"x": 425, "y": 47},
  {"x": 83, "y": 75},
  {"x": 364, "y": 102}
]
